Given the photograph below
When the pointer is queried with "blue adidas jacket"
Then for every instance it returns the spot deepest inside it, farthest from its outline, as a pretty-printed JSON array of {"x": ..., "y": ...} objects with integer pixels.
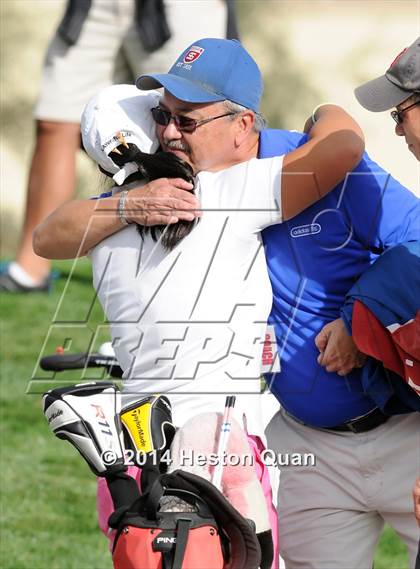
[
  {"x": 313, "y": 260},
  {"x": 390, "y": 290}
]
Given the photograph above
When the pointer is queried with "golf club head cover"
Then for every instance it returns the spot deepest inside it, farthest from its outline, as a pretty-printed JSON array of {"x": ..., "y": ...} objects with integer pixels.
[
  {"x": 148, "y": 428},
  {"x": 87, "y": 415},
  {"x": 192, "y": 450}
]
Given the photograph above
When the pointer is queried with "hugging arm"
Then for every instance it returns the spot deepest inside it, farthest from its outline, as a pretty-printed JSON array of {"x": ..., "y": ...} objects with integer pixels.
[
  {"x": 77, "y": 226},
  {"x": 335, "y": 146}
]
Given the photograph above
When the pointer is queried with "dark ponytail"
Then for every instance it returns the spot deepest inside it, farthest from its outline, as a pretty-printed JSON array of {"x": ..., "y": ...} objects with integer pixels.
[{"x": 153, "y": 167}]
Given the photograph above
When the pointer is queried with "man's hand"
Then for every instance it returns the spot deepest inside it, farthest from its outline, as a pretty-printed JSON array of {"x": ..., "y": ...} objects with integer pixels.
[
  {"x": 416, "y": 499},
  {"x": 162, "y": 202},
  {"x": 77, "y": 226},
  {"x": 338, "y": 352}
]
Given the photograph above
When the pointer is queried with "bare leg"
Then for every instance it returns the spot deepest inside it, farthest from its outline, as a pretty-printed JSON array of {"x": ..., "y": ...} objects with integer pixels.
[{"x": 51, "y": 183}]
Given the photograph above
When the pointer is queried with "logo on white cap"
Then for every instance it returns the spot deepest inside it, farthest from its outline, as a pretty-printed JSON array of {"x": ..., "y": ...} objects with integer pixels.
[{"x": 193, "y": 54}]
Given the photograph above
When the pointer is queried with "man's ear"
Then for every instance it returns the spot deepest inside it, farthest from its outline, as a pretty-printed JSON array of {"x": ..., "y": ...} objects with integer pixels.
[{"x": 244, "y": 126}]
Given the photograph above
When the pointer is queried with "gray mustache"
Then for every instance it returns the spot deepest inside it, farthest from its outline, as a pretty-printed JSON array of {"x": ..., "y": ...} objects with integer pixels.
[{"x": 177, "y": 145}]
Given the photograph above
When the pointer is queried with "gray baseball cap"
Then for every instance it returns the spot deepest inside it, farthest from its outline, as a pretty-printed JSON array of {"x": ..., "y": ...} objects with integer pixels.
[{"x": 400, "y": 81}]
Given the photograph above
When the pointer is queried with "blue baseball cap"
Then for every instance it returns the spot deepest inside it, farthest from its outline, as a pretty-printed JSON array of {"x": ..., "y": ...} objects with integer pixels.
[{"x": 211, "y": 70}]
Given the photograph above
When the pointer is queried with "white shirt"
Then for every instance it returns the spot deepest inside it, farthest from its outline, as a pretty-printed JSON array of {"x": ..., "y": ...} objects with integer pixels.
[{"x": 191, "y": 322}]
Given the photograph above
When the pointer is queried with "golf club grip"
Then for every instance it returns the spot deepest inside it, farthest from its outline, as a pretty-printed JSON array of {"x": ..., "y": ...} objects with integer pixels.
[{"x": 62, "y": 362}]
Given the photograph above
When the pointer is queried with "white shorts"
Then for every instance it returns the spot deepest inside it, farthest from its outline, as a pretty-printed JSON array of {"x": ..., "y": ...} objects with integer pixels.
[{"x": 109, "y": 51}]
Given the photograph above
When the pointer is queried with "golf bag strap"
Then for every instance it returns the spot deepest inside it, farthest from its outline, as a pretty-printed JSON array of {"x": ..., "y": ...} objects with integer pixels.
[
  {"x": 265, "y": 539},
  {"x": 183, "y": 527},
  {"x": 152, "y": 498}
]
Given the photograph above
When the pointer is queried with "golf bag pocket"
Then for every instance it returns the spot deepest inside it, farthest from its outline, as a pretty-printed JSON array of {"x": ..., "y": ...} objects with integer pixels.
[
  {"x": 183, "y": 522},
  {"x": 178, "y": 541}
]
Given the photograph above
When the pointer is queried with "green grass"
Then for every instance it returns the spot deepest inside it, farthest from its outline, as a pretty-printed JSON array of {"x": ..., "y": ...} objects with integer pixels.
[
  {"x": 48, "y": 514},
  {"x": 391, "y": 552}
]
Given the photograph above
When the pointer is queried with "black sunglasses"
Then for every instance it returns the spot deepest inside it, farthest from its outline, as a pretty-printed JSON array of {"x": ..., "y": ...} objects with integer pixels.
[
  {"x": 398, "y": 115},
  {"x": 182, "y": 123}
]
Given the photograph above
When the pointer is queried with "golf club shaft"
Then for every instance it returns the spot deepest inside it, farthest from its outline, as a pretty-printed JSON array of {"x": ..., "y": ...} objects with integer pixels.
[{"x": 223, "y": 440}]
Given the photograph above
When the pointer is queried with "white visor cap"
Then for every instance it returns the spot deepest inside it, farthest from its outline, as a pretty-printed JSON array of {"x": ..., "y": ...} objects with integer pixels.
[{"x": 119, "y": 110}]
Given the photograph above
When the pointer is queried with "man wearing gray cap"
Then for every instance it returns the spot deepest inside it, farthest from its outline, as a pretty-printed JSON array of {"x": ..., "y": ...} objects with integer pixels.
[{"x": 399, "y": 88}]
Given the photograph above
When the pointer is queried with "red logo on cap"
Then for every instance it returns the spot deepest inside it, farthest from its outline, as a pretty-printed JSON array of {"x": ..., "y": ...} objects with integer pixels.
[
  {"x": 193, "y": 54},
  {"x": 398, "y": 57}
]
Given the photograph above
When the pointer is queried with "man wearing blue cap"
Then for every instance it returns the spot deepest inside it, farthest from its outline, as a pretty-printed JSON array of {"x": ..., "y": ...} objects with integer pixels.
[
  {"x": 330, "y": 515},
  {"x": 216, "y": 79}
]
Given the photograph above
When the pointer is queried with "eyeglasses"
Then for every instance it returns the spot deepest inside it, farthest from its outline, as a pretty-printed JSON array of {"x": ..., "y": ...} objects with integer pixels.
[
  {"x": 182, "y": 123},
  {"x": 398, "y": 115}
]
